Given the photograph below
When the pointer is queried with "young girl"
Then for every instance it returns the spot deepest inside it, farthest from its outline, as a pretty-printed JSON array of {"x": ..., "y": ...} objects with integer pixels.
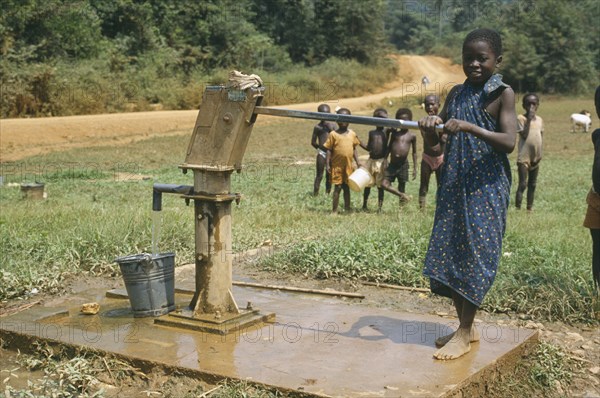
[
  {"x": 465, "y": 245},
  {"x": 341, "y": 149},
  {"x": 531, "y": 130}
]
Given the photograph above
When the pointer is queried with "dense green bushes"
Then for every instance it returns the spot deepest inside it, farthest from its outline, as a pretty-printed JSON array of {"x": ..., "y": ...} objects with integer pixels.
[
  {"x": 64, "y": 57},
  {"x": 89, "y": 87},
  {"x": 74, "y": 57}
]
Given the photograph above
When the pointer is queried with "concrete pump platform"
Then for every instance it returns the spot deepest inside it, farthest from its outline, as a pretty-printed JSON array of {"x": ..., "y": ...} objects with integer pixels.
[{"x": 316, "y": 345}]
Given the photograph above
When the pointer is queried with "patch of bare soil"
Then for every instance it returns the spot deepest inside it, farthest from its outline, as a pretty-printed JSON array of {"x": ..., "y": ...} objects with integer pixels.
[{"x": 110, "y": 380}]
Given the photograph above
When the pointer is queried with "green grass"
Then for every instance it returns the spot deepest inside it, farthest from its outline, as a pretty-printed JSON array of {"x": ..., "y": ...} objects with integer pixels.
[
  {"x": 91, "y": 217},
  {"x": 538, "y": 373}
]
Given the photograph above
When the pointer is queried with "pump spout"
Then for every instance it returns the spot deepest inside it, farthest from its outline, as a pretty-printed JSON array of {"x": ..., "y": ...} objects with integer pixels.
[{"x": 159, "y": 189}]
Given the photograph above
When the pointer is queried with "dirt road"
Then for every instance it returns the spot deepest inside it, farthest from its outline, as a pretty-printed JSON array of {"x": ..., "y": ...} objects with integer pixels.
[{"x": 20, "y": 138}]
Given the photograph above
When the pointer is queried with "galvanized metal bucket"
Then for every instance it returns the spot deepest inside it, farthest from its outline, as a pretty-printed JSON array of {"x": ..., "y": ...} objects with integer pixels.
[{"x": 150, "y": 283}]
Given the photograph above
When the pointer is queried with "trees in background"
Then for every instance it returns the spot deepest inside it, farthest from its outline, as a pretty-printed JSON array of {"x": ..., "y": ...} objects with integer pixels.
[
  {"x": 208, "y": 33},
  {"x": 559, "y": 39},
  {"x": 53, "y": 47},
  {"x": 549, "y": 45}
]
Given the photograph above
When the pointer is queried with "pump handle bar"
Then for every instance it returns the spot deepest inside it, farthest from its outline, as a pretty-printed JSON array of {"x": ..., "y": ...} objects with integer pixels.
[{"x": 335, "y": 117}]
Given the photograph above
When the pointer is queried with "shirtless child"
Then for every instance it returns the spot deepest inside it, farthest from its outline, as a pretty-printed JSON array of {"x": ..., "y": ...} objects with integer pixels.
[
  {"x": 398, "y": 148},
  {"x": 341, "y": 149},
  {"x": 378, "y": 151},
  {"x": 531, "y": 132},
  {"x": 319, "y": 136},
  {"x": 432, "y": 158}
]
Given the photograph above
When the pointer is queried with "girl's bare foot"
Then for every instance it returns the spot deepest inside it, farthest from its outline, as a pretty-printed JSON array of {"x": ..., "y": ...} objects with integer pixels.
[
  {"x": 442, "y": 341},
  {"x": 458, "y": 346}
]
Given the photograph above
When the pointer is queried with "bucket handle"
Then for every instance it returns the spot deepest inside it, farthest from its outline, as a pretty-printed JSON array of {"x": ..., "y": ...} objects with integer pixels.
[{"x": 146, "y": 262}]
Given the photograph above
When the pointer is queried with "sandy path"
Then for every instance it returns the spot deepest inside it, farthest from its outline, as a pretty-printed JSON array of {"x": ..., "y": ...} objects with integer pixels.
[{"x": 20, "y": 138}]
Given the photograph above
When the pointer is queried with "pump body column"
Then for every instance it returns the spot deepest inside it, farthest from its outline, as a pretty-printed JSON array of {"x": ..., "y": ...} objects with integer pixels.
[{"x": 214, "y": 254}]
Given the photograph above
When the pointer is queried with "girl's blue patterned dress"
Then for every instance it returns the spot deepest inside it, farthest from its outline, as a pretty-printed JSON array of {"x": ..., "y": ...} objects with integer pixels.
[{"x": 472, "y": 201}]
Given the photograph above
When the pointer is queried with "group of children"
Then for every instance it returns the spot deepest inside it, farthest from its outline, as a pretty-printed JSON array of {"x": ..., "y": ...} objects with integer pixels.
[
  {"x": 480, "y": 130},
  {"x": 388, "y": 161},
  {"x": 382, "y": 143}
]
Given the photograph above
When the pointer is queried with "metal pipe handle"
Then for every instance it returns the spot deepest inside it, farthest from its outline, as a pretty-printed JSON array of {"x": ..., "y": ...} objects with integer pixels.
[{"x": 334, "y": 117}]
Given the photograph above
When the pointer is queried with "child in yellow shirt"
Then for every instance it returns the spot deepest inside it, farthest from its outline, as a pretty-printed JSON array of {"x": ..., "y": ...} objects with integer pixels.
[{"x": 341, "y": 149}]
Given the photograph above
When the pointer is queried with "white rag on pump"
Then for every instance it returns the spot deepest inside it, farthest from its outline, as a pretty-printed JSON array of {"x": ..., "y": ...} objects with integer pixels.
[{"x": 240, "y": 81}]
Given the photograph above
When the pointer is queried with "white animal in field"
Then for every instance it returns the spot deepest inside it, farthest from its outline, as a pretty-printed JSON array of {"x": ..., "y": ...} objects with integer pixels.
[{"x": 581, "y": 119}]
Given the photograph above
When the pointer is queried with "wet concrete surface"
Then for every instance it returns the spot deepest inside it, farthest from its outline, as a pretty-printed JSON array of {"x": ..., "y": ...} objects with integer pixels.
[{"x": 320, "y": 345}]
